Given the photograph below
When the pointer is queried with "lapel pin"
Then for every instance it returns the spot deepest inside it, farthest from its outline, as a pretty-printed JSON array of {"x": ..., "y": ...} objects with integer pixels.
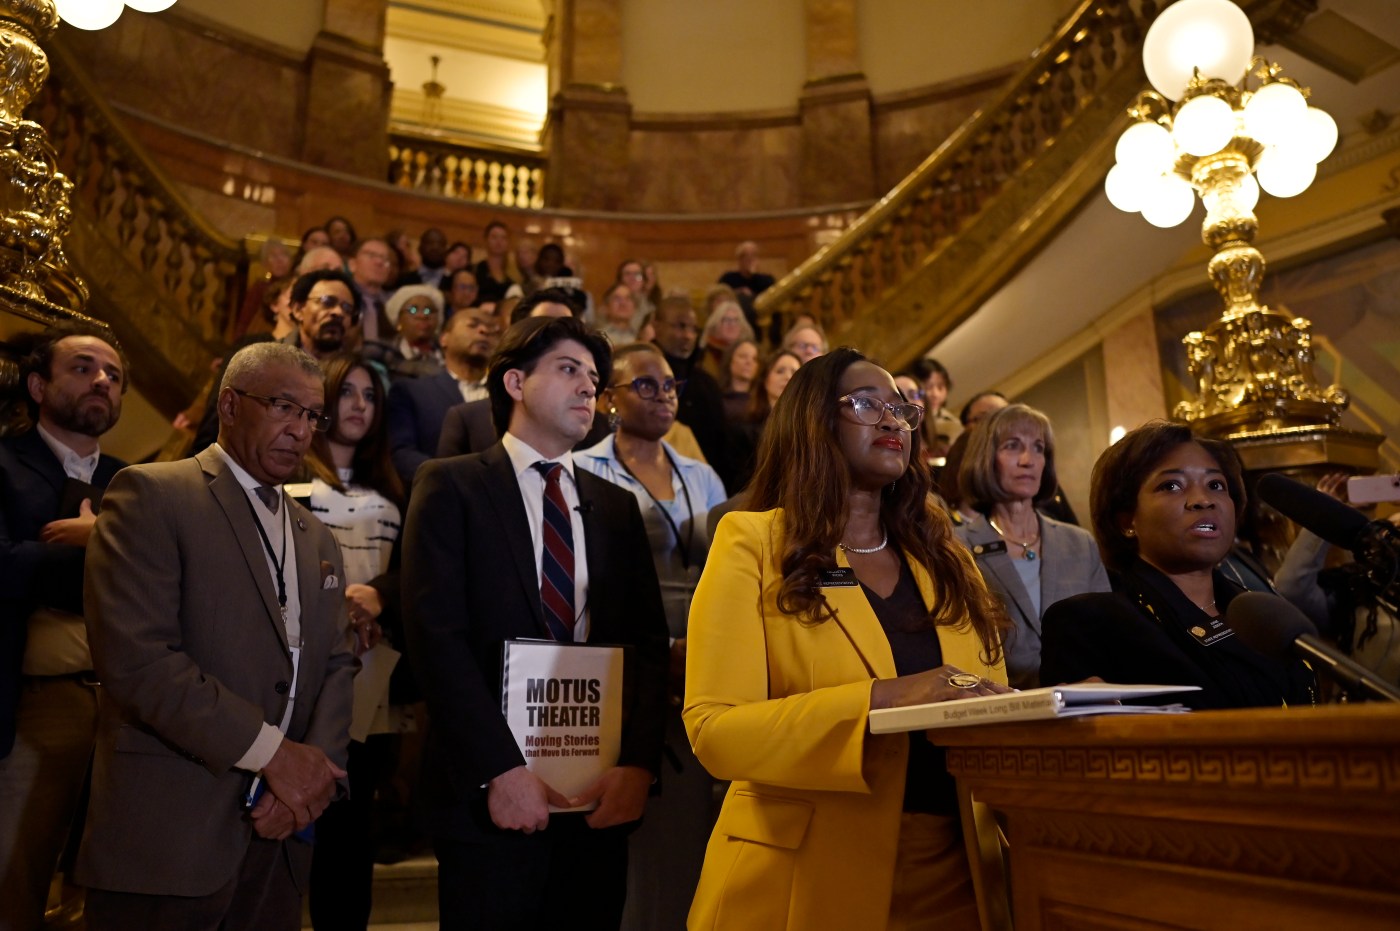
[{"x": 301, "y": 524}]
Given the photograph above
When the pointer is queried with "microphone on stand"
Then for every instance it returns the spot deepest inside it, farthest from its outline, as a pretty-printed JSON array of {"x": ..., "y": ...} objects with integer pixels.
[{"x": 1274, "y": 627}]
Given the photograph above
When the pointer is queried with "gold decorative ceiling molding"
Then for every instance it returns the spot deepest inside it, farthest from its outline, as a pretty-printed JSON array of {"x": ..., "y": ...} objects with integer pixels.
[{"x": 505, "y": 28}]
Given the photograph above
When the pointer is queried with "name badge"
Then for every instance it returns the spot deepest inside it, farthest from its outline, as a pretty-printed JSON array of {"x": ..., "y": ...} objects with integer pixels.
[
  {"x": 839, "y": 578},
  {"x": 1210, "y": 633},
  {"x": 986, "y": 549}
]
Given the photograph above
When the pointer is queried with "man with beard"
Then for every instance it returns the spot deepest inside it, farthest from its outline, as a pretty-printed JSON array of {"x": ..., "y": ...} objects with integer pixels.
[
  {"x": 432, "y": 250},
  {"x": 325, "y": 305},
  {"x": 702, "y": 401},
  {"x": 416, "y": 406},
  {"x": 51, "y": 480}
]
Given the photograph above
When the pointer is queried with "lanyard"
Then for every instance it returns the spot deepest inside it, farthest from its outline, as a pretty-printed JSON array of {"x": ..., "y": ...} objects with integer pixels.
[
  {"x": 682, "y": 545},
  {"x": 267, "y": 544}
]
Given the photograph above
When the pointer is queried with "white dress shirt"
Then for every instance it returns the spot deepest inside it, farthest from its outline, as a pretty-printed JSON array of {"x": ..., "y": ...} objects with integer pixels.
[{"x": 523, "y": 458}]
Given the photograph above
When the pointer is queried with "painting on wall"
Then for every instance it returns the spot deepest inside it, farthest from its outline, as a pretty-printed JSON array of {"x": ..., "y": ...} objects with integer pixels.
[{"x": 1353, "y": 301}]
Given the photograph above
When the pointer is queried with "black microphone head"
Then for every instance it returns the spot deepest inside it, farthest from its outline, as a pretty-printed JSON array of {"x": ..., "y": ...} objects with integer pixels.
[
  {"x": 1324, "y": 515},
  {"x": 1267, "y": 623}
]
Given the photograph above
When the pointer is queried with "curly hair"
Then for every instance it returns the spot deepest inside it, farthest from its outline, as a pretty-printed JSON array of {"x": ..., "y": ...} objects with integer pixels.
[{"x": 802, "y": 469}]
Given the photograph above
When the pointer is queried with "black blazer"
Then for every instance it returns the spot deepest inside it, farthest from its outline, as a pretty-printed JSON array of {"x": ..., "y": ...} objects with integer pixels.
[
  {"x": 1141, "y": 634},
  {"x": 32, "y": 574},
  {"x": 469, "y": 584},
  {"x": 415, "y": 410}
]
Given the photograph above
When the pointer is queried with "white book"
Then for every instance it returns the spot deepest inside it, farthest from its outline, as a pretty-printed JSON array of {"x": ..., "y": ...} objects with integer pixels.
[
  {"x": 1054, "y": 701},
  {"x": 563, "y": 703}
]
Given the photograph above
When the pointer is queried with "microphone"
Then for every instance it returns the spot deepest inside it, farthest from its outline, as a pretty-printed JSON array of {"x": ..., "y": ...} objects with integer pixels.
[
  {"x": 1274, "y": 627},
  {"x": 1375, "y": 544},
  {"x": 584, "y": 507},
  {"x": 1307, "y": 507}
]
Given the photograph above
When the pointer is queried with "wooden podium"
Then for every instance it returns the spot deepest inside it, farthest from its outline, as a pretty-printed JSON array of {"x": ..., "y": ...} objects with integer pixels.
[{"x": 1268, "y": 819}]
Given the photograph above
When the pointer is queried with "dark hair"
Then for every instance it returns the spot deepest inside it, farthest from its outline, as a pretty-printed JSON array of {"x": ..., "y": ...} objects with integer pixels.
[
  {"x": 272, "y": 292},
  {"x": 493, "y": 225},
  {"x": 301, "y": 288},
  {"x": 551, "y": 247},
  {"x": 615, "y": 286},
  {"x": 523, "y": 345},
  {"x": 626, "y": 262},
  {"x": 967, "y": 408},
  {"x": 39, "y": 351},
  {"x": 948, "y": 487},
  {"x": 371, "y": 465},
  {"x": 546, "y": 296},
  {"x": 450, "y": 281},
  {"x": 349, "y": 227},
  {"x": 305, "y": 235},
  {"x": 459, "y": 244},
  {"x": 977, "y": 475},
  {"x": 727, "y": 360},
  {"x": 928, "y": 366},
  {"x": 759, "y": 408},
  {"x": 1119, "y": 474},
  {"x": 802, "y": 470}
]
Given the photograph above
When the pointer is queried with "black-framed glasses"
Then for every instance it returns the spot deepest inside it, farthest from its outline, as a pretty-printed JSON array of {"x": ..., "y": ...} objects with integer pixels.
[
  {"x": 330, "y": 301},
  {"x": 283, "y": 411},
  {"x": 649, "y": 389},
  {"x": 870, "y": 411}
]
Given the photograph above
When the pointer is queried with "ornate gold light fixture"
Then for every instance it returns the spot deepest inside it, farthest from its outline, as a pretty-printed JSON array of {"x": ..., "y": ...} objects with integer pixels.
[
  {"x": 34, "y": 212},
  {"x": 1225, "y": 140}
]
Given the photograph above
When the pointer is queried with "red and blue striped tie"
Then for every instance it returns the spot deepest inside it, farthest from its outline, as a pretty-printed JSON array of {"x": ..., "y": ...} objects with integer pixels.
[{"x": 557, "y": 558}]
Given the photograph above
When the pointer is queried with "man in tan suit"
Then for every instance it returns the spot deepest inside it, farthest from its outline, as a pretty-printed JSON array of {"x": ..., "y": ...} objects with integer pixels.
[{"x": 215, "y": 609}]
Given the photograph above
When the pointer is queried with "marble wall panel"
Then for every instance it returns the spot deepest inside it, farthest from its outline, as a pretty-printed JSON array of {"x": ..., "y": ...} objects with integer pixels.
[
  {"x": 905, "y": 132},
  {"x": 728, "y": 170},
  {"x": 212, "y": 84}
]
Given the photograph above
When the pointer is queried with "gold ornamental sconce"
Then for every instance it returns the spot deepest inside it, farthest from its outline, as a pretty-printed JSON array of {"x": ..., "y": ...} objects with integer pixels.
[{"x": 1223, "y": 124}]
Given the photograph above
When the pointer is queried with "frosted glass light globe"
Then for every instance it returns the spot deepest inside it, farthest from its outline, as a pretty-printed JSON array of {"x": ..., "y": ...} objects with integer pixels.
[
  {"x": 1204, "y": 125},
  {"x": 1145, "y": 148},
  {"x": 1284, "y": 174},
  {"x": 1169, "y": 202},
  {"x": 1212, "y": 35},
  {"x": 1274, "y": 113},
  {"x": 1317, "y": 136},
  {"x": 1127, "y": 189},
  {"x": 150, "y": 6},
  {"x": 89, "y": 14},
  {"x": 1248, "y": 196}
]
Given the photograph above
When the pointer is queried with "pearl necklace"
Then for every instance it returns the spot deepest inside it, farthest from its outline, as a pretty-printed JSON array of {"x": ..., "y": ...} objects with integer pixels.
[
  {"x": 1025, "y": 547},
  {"x": 867, "y": 550}
]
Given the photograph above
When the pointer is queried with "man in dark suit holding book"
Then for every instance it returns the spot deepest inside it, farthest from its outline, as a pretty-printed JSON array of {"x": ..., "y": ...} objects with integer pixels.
[
  {"x": 516, "y": 543},
  {"x": 51, "y": 480}
]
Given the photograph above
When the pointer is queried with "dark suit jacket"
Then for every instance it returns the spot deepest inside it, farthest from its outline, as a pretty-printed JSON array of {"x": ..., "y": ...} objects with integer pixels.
[
  {"x": 32, "y": 574},
  {"x": 467, "y": 428},
  {"x": 469, "y": 584},
  {"x": 188, "y": 640},
  {"x": 416, "y": 408}
]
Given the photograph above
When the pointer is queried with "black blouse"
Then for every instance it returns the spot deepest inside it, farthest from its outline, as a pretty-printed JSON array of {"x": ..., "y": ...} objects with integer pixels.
[
  {"x": 1146, "y": 631},
  {"x": 928, "y": 787}
]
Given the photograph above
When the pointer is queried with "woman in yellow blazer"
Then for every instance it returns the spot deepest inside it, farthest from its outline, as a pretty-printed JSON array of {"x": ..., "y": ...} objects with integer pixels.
[{"x": 845, "y": 592}]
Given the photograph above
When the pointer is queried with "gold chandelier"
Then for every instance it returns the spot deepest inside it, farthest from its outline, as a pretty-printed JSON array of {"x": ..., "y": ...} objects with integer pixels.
[{"x": 1204, "y": 129}]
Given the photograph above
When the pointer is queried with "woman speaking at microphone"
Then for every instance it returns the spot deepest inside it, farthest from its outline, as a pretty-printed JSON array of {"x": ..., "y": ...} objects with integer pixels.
[
  {"x": 1164, "y": 505},
  {"x": 843, "y": 590}
]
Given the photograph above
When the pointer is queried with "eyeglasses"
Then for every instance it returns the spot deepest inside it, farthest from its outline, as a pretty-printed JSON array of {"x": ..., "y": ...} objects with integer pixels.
[
  {"x": 330, "y": 301},
  {"x": 870, "y": 411},
  {"x": 649, "y": 389},
  {"x": 416, "y": 311},
  {"x": 282, "y": 410}
]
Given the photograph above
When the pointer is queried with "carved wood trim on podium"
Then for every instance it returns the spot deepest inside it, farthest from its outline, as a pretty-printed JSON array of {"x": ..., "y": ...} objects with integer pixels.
[{"x": 1231, "y": 820}]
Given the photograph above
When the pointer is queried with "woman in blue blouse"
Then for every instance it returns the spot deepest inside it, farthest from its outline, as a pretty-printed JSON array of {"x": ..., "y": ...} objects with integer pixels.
[{"x": 675, "y": 494}]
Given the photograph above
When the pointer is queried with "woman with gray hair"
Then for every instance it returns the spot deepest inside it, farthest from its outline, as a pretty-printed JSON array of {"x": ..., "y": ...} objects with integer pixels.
[{"x": 1028, "y": 560}]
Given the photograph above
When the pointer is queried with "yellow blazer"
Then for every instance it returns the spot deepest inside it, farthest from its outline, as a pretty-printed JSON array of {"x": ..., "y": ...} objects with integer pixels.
[{"x": 809, "y": 829}]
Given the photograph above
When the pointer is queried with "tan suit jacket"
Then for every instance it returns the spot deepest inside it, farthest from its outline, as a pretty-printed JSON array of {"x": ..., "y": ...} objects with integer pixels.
[
  {"x": 810, "y": 826},
  {"x": 188, "y": 641}
]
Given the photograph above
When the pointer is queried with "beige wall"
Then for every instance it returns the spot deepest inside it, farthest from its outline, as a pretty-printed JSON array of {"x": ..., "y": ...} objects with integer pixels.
[{"x": 680, "y": 56}]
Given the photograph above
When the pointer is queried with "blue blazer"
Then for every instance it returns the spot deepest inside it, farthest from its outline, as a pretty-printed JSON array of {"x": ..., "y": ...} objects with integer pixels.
[{"x": 416, "y": 408}]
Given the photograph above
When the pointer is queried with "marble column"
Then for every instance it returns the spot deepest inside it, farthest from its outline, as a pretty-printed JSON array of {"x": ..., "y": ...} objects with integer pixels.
[
  {"x": 346, "y": 126},
  {"x": 590, "y": 116},
  {"x": 838, "y": 163}
]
